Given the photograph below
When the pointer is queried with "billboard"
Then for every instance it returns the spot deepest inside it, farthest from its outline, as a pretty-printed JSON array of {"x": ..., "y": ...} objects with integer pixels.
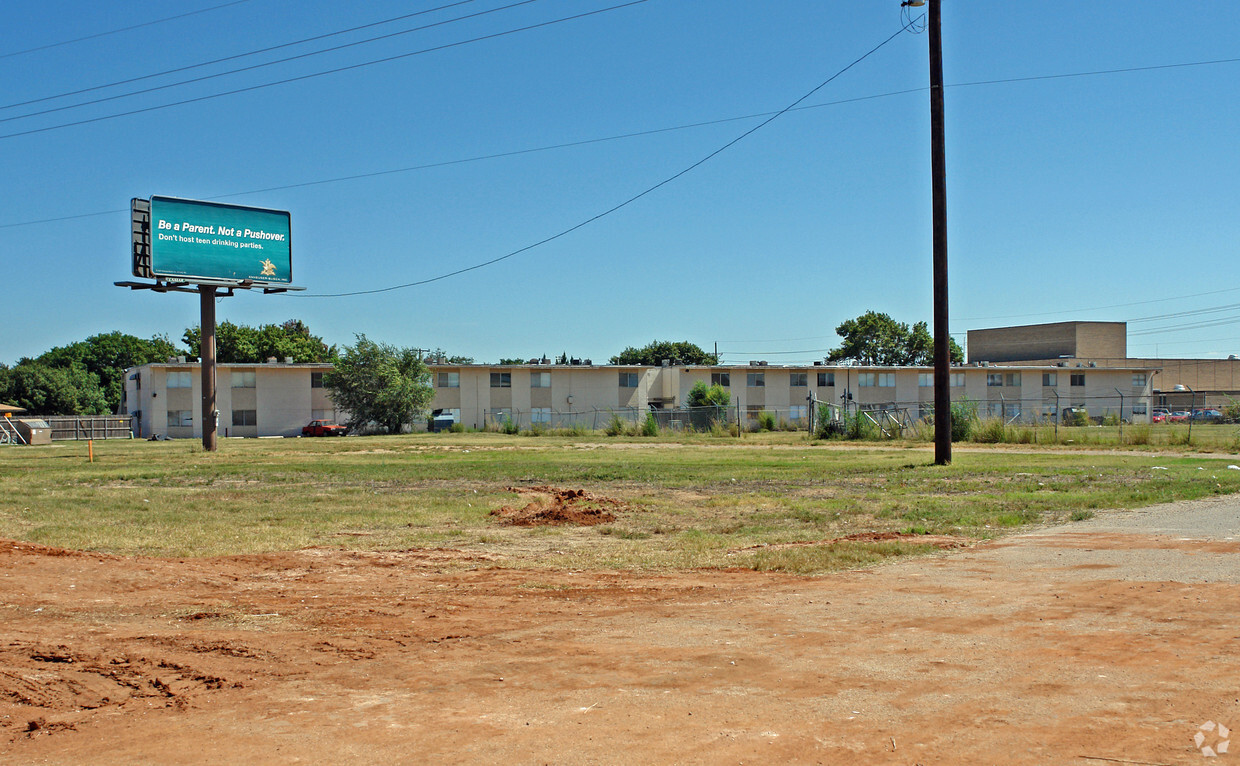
[{"x": 213, "y": 242}]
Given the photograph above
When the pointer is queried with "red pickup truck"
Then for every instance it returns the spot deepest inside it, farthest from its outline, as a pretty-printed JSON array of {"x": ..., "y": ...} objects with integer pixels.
[{"x": 323, "y": 428}]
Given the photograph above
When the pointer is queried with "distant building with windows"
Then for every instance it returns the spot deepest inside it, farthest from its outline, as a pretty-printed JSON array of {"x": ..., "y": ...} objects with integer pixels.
[
  {"x": 277, "y": 399},
  {"x": 1178, "y": 383}
]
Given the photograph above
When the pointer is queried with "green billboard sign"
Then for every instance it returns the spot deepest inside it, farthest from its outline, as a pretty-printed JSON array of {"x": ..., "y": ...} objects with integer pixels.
[{"x": 208, "y": 241}]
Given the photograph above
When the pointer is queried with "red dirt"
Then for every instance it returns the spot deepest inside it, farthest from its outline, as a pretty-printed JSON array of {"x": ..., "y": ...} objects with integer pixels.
[
  {"x": 554, "y": 506},
  {"x": 943, "y": 542},
  {"x": 1017, "y": 652}
]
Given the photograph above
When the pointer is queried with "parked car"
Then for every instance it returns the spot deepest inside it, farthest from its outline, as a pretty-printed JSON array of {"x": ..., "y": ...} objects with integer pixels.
[
  {"x": 323, "y": 428},
  {"x": 1158, "y": 416},
  {"x": 1207, "y": 415},
  {"x": 1178, "y": 416}
]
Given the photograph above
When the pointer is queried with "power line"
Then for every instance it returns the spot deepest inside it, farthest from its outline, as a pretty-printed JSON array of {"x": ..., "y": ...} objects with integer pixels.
[
  {"x": 118, "y": 31},
  {"x": 626, "y": 202},
  {"x": 336, "y": 70},
  {"x": 265, "y": 64},
  {"x": 655, "y": 131},
  {"x": 219, "y": 61},
  {"x": 1100, "y": 308}
]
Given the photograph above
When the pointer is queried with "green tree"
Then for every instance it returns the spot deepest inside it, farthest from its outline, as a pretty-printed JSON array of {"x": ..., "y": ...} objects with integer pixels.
[
  {"x": 46, "y": 390},
  {"x": 242, "y": 344},
  {"x": 107, "y": 356},
  {"x": 875, "y": 338},
  {"x": 439, "y": 356},
  {"x": 702, "y": 395},
  {"x": 381, "y": 384},
  {"x": 653, "y": 354}
]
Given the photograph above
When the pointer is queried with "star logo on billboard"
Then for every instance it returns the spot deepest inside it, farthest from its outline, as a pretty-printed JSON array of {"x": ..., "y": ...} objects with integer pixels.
[{"x": 269, "y": 268}]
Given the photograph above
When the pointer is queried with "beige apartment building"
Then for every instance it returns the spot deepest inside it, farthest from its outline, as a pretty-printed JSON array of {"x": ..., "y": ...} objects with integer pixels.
[
  {"x": 277, "y": 399},
  {"x": 273, "y": 399}
]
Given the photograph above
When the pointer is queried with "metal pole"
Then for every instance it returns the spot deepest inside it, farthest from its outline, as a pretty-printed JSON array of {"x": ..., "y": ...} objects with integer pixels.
[
  {"x": 1192, "y": 409},
  {"x": 210, "y": 416},
  {"x": 938, "y": 170},
  {"x": 1056, "y": 393},
  {"x": 1121, "y": 415}
]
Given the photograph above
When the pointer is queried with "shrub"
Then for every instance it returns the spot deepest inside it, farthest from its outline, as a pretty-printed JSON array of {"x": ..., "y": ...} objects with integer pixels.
[
  {"x": 964, "y": 419},
  {"x": 719, "y": 428},
  {"x": 509, "y": 427},
  {"x": 456, "y": 428},
  {"x": 1110, "y": 419},
  {"x": 988, "y": 431},
  {"x": 650, "y": 427},
  {"x": 615, "y": 426}
]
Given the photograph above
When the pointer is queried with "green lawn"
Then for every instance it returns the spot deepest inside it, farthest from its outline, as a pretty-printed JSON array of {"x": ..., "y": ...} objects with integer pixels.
[{"x": 696, "y": 502}]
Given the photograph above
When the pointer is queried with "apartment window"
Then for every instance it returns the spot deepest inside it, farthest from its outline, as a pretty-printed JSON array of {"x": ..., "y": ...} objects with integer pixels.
[
  {"x": 316, "y": 380},
  {"x": 1077, "y": 379},
  {"x": 540, "y": 415},
  {"x": 540, "y": 380},
  {"x": 886, "y": 380},
  {"x": 798, "y": 379},
  {"x": 501, "y": 415},
  {"x": 721, "y": 379},
  {"x": 752, "y": 411},
  {"x": 798, "y": 412},
  {"x": 1138, "y": 380},
  {"x": 180, "y": 418},
  {"x": 245, "y": 417},
  {"x": 755, "y": 379},
  {"x": 180, "y": 379},
  {"x": 628, "y": 380},
  {"x": 1050, "y": 379},
  {"x": 1140, "y": 408},
  {"x": 453, "y": 379},
  {"x": 866, "y": 379},
  {"x": 925, "y": 410},
  {"x": 245, "y": 379},
  {"x": 925, "y": 380},
  {"x": 499, "y": 380},
  {"x": 1048, "y": 409},
  {"x": 957, "y": 380},
  {"x": 1003, "y": 379},
  {"x": 994, "y": 379},
  {"x": 826, "y": 379}
]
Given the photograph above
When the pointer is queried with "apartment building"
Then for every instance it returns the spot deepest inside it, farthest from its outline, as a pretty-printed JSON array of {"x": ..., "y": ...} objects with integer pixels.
[
  {"x": 272, "y": 399},
  {"x": 277, "y": 399}
]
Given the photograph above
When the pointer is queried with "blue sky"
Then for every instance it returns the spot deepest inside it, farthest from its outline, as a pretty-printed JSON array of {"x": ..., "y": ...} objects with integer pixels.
[{"x": 1099, "y": 197}]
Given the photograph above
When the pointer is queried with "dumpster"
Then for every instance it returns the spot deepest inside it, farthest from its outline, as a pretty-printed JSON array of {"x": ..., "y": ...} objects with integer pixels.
[{"x": 33, "y": 431}]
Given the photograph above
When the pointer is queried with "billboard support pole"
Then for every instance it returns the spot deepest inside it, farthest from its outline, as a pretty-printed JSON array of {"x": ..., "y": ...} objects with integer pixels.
[{"x": 210, "y": 415}]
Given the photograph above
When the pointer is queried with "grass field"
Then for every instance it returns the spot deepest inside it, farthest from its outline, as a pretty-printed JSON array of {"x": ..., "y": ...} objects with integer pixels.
[{"x": 696, "y": 502}]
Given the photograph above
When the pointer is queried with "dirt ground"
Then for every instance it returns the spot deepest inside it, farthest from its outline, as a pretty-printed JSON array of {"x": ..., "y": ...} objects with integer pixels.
[{"x": 1108, "y": 641}]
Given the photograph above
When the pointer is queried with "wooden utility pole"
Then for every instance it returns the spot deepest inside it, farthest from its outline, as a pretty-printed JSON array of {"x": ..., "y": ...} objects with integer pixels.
[
  {"x": 938, "y": 170},
  {"x": 210, "y": 415}
]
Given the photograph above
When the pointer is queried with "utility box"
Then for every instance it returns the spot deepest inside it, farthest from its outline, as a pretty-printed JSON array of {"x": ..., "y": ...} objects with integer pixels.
[{"x": 34, "y": 431}]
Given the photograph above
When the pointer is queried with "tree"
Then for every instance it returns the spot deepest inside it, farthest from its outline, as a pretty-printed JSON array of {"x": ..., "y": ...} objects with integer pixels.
[
  {"x": 46, "y": 390},
  {"x": 702, "y": 395},
  {"x": 107, "y": 356},
  {"x": 875, "y": 338},
  {"x": 653, "y": 354},
  {"x": 439, "y": 356},
  {"x": 242, "y": 344},
  {"x": 380, "y": 383}
]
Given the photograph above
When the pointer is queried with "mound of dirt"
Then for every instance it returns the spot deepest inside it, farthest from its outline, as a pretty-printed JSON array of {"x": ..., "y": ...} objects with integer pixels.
[{"x": 553, "y": 506}]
